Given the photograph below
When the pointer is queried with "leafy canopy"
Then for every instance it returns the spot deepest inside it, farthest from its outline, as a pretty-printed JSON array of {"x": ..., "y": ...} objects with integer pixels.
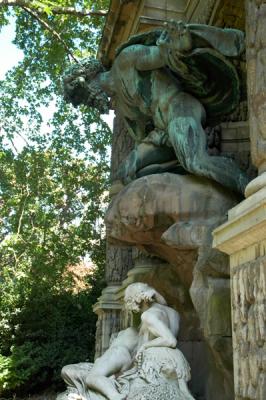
[{"x": 52, "y": 195}]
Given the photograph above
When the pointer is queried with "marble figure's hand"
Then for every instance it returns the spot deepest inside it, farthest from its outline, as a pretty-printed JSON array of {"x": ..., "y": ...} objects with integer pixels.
[
  {"x": 75, "y": 396},
  {"x": 176, "y": 36}
]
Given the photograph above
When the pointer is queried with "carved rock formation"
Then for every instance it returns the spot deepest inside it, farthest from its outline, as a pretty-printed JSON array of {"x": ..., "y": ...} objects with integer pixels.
[{"x": 158, "y": 216}]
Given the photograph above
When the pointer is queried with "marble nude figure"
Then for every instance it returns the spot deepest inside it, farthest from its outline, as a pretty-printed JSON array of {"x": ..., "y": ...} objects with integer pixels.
[
  {"x": 141, "y": 363},
  {"x": 168, "y": 85}
]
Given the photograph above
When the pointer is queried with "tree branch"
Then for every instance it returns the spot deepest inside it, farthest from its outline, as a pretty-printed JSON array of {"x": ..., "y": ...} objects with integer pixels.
[
  {"x": 13, "y": 145},
  {"x": 23, "y": 138},
  {"x": 55, "y": 10},
  {"x": 52, "y": 31},
  {"x": 22, "y": 214},
  {"x": 36, "y": 11}
]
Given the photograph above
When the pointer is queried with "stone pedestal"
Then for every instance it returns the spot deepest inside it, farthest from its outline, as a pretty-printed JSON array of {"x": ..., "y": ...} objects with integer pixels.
[
  {"x": 243, "y": 237},
  {"x": 108, "y": 309}
]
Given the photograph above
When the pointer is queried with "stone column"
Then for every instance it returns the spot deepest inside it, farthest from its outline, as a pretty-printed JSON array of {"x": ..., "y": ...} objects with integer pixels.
[
  {"x": 243, "y": 237},
  {"x": 256, "y": 82},
  {"x": 108, "y": 310},
  {"x": 118, "y": 259}
]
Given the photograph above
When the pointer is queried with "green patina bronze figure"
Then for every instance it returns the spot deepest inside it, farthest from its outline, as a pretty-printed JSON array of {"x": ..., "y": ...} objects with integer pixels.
[{"x": 168, "y": 85}]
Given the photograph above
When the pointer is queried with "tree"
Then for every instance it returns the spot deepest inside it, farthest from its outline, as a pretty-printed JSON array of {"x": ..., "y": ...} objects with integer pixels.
[{"x": 53, "y": 194}]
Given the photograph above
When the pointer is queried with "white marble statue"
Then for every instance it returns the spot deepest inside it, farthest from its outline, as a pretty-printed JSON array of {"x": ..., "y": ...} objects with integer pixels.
[
  {"x": 116, "y": 359},
  {"x": 140, "y": 364}
]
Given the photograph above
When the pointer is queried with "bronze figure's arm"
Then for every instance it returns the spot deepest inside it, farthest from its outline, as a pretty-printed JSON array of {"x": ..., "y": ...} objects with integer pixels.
[{"x": 176, "y": 37}]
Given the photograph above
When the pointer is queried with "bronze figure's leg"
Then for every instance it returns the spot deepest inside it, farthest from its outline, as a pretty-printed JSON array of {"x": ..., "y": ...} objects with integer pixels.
[
  {"x": 185, "y": 116},
  {"x": 144, "y": 155}
]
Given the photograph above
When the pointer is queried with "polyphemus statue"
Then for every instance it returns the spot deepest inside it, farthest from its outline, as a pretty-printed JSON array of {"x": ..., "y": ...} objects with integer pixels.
[{"x": 168, "y": 84}]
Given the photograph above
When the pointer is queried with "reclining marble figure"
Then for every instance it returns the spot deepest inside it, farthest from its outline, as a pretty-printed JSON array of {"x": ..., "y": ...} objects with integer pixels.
[
  {"x": 140, "y": 364},
  {"x": 117, "y": 359},
  {"x": 168, "y": 85}
]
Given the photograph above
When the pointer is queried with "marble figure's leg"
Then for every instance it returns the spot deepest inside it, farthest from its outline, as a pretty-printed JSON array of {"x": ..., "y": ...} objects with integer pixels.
[
  {"x": 104, "y": 385},
  {"x": 74, "y": 376}
]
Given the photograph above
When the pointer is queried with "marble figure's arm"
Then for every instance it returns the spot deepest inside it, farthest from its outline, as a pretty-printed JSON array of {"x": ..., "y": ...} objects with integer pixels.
[{"x": 155, "y": 326}]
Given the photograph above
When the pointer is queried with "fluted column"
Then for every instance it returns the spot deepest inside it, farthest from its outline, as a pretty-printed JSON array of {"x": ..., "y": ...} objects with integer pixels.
[{"x": 118, "y": 259}]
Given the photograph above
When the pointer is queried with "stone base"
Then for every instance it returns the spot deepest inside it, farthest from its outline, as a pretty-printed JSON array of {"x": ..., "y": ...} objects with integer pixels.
[{"x": 108, "y": 310}]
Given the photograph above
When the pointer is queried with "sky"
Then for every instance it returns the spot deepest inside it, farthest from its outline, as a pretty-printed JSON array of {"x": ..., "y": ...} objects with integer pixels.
[{"x": 10, "y": 55}]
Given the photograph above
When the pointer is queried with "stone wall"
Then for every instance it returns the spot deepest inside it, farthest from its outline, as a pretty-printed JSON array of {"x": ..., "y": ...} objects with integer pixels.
[
  {"x": 118, "y": 259},
  {"x": 230, "y": 14},
  {"x": 256, "y": 73},
  {"x": 249, "y": 316},
  {"x": 244, "y": 238}
]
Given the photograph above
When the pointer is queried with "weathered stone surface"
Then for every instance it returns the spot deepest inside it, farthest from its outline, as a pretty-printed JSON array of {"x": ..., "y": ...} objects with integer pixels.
[
  {"x": 118, "y": 260},
  {"x": 244, "y": 238},
  {"x": 249, "y": 325},
  {"x": 230, "y": 14},
  {"x": 256, "y": 62},
  {"x": 157, "y": 215},
  {"x": 109, "y": 321},
  {"x": 118, "y": 263},
  {"x": 219, "y": 307},
  {"x": 167, "y": 215},
  {"x": 203, "y": 11}
]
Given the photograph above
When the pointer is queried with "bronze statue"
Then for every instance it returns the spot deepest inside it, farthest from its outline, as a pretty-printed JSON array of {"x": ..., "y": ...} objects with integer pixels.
[{"x": 168, "y": 85}]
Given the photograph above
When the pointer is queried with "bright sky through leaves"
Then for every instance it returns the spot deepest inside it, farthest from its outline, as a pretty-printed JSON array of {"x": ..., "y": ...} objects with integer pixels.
[{"x": 10, "y": 56}]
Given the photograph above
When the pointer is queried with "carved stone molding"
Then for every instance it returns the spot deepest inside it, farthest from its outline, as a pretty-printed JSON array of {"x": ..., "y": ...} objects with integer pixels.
[{"x": 203, "y": 11}]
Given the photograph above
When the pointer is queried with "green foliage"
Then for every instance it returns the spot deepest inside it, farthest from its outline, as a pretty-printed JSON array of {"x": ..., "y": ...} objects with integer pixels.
[
  {"x": 52, "y": 331},
  {"x": 52, "y": 201}
]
